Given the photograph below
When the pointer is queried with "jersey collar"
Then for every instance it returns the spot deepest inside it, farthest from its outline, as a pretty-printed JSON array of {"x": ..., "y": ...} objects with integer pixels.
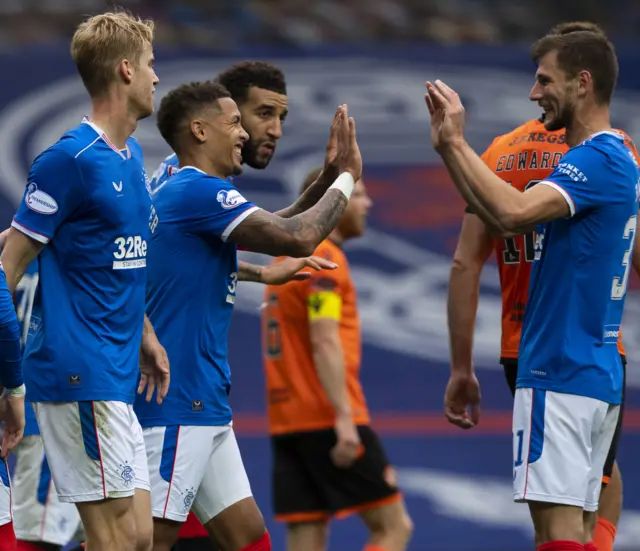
[{"x": 124, "y": 153}]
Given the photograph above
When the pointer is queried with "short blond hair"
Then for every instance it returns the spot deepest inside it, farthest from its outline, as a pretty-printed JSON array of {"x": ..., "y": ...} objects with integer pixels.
[{"x": 102, "y": 41}]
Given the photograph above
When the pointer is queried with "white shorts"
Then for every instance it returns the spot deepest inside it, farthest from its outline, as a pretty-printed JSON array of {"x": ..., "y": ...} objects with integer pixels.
[
  {"x": 5, "y": 494},
  {"x": 95, "y": 449},
  {"x": 193, "y": 466},
  {"x": 38, "y": 515},
  {"x": 560, "y": 445}
]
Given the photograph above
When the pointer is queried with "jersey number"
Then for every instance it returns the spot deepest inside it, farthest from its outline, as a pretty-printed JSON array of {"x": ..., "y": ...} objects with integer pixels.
[
  {"x": 511, "y": 253},
  {"x": 273, "y": 341},
  {"x": 619, "y": 285}
]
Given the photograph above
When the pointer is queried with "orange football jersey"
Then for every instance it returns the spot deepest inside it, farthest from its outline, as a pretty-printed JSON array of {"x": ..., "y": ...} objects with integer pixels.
[
  {"x": 522, "y": 158},
  {"x": 296, "y": 400}
]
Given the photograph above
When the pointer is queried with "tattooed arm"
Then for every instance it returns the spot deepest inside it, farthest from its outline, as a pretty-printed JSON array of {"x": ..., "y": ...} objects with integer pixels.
[
  {"x": 298, "y": 236},
  {"x": 312, "y": 194}
]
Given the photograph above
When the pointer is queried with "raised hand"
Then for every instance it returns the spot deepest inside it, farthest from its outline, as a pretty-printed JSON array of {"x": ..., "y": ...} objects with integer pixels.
[
  {"x": 447, "y": 114},
  {"x": 349, "y": 158}
]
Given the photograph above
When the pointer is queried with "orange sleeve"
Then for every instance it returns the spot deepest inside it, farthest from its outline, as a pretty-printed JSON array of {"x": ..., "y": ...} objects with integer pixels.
[{"x": 324, "y": 289}]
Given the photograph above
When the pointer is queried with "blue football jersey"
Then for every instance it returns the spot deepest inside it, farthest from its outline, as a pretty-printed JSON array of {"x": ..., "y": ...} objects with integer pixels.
[
  {"x": 580, "y": 273},
  {"x": 165, "y": 170},
  {"x": 191, "y": 286},
  {"x": 25, "y": 294},
  {"x": 90, "y": 203}
]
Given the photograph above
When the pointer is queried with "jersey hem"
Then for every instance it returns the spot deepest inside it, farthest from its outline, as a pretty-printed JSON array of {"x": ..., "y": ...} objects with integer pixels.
[
  {"x": 185, "y": 422},
  {"x": 72, "y": 397},
  {"x": 607, "y": 399},
  {"x": 315, "y": 427}
]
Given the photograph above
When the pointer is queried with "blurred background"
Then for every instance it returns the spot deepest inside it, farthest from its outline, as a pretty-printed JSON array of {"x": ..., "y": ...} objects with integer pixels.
[{"x": 374, "y": 55}]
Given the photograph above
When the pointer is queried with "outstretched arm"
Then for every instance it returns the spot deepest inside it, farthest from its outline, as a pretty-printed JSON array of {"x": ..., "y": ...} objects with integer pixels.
[
  {"x": 504, "y": 207},
  {"x": 268, "y": 233}
]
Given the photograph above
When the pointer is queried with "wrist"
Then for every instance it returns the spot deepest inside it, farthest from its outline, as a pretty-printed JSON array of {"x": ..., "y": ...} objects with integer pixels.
[
  {"x": 462, "y": 370},
  {"x": 259, "y": 274},
  {"x": 344, "y": 183}
]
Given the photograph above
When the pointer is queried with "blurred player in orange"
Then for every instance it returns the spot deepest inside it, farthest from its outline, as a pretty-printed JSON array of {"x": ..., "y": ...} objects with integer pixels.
[
  {"x": 327, "y": 460},
  {"x": 522, "y": 158}
]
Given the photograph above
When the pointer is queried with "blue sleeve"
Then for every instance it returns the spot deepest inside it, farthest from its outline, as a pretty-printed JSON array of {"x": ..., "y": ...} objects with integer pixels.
[
  {"x": 54, "y": 191},
  {"x": 214, "y": 207},
  {"x": 164, "y": 171},
  {"x": 583, "y": 178},
  {"x": 10, "y": 347}
]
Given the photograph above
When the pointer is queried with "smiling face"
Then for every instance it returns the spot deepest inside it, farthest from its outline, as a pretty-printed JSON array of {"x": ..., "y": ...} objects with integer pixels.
[
  {"x": 263, "y": 114},
  {"x": 225, "y": 137},
  {"x": 555, "y": 93}
]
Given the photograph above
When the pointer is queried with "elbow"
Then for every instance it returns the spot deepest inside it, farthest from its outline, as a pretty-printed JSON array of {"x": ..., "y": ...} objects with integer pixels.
[{"x": 465, "y": 267}]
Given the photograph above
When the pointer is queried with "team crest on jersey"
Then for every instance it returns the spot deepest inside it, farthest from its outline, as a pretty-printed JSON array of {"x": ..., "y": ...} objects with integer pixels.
[
  {"x": 230, "y": 198},
  {"x": 39, "y": 201}
]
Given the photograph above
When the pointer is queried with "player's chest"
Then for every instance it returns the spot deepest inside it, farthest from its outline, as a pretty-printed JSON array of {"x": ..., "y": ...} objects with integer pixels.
[{"x": 119, "y": 197}]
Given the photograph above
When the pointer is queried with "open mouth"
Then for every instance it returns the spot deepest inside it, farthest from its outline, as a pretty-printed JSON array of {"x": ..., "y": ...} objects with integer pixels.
[{"x": 237, "y": 149}]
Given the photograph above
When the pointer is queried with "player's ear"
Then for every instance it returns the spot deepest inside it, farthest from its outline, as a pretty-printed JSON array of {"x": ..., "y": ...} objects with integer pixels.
[
  {"x": 585, "y": 83},
  {"x": 198, "y": 131},
  {"x": 125, "y": 70}
]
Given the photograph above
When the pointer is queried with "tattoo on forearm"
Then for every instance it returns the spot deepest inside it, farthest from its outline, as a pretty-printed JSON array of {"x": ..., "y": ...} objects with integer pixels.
[
  {"x": 297, "y": 236},
  {"x": 310, "y": 197}
]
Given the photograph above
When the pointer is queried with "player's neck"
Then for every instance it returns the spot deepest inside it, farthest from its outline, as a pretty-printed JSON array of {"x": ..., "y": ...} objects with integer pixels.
[
  {"x": 585, "y": 126},
  {"x": 203, "y": 163},
  {"x": 114, "y": 119}
]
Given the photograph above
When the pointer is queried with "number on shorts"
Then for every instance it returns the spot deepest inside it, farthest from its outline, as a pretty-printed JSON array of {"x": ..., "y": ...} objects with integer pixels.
[
  {"x": 520, "y": 437},
  {"x": 618, "y": 287}
]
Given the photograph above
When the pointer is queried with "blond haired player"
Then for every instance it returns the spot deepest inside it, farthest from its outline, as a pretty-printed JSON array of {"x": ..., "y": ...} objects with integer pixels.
[{"x": 85, "y": 215}]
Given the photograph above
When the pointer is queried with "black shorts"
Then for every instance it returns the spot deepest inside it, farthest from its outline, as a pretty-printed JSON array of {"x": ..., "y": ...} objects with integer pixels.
[
  {"x": 307, "y": 486},
  {"x": 511, "y": 373}
]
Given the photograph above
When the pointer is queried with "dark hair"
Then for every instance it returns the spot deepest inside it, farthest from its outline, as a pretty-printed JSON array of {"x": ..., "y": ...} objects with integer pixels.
[
  {"x": 181, "y": 104},
  {"x": 242, "y": 76},
  {"x": 577, "y": 26},
  {"x": 583, "y": 51}
]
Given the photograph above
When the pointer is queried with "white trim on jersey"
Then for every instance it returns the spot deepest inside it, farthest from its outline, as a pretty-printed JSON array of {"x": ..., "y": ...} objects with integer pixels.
[
  {"x": 30, "y": 233},
  {"x": 236, "y": 222},
  {"x": 562, "y": 191}
]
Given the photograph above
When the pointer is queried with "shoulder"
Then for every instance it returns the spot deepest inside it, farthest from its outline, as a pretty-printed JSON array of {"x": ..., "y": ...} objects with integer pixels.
[{"x": 330, "y": 251}]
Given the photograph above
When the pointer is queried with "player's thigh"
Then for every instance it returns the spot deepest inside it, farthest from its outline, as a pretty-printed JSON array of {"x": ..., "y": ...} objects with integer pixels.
[
  {"x": 38, "y": 515},
  {"x": 297, "y": 498},
  {"x": 224, "y": 503},
  {"x": 91, "y": 449},
  {"x": 602, "y": 435},
  {"x": 178, "y": 457},
  {"x": 370, "y": 481},
  {"x": 613, "y": 449},
  {"x": 552, "y": 435},
  {"x": 5, "y": 494}
]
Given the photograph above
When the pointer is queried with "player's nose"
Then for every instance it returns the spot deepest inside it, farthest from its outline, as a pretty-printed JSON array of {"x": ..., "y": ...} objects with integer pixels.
[{"x": 536, "y": 92}]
